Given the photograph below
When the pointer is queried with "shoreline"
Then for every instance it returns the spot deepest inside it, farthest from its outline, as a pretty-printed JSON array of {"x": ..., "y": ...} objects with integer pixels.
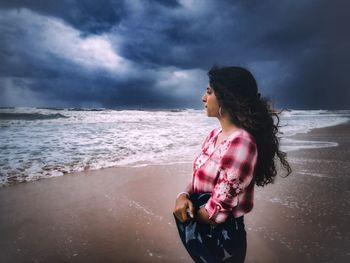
[
  {"x": 298, "y": 137},
  {"x": 124, "y": 214}
]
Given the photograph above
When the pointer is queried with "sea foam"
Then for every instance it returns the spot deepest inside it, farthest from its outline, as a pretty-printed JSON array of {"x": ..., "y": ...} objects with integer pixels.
[{"x": 42, "y": 142}]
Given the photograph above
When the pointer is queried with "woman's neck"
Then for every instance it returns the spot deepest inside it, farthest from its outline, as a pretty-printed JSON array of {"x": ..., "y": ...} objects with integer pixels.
[{"x": 227, "y": 126}]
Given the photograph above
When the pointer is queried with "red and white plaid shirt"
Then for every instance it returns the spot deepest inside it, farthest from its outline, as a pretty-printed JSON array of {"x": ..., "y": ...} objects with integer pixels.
[{"x": 226, "y": 170}]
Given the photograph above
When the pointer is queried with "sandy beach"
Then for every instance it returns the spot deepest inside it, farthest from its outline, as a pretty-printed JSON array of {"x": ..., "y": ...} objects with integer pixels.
[{"x": 125, "y": 214}]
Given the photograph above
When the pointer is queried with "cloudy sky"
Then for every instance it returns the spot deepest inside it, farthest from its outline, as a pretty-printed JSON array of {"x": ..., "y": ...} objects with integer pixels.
[{"x": 155, "y": 53}]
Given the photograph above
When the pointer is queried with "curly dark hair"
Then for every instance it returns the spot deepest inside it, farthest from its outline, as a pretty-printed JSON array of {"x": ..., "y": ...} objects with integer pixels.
[{"x": 237, "y": 94}]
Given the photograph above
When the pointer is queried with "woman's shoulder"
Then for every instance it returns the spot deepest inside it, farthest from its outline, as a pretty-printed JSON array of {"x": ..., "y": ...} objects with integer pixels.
[{"x": 245, "y": 136}]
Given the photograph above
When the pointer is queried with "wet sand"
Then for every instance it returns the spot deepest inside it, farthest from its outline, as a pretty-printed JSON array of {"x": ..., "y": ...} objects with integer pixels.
[{"x": 125, "y": 214}]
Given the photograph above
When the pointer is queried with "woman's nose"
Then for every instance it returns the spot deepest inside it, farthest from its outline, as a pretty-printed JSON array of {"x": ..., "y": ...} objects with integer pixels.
[{"x": 204, "y": 98}]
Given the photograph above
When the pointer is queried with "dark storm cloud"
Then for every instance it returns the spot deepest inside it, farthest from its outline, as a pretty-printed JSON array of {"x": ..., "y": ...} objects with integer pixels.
[
  {"x": 156, "y": 53},
  {"x": 89, "y": 16}
]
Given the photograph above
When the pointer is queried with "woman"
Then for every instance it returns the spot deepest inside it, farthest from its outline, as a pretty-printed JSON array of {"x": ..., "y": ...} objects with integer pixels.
[{"x": 209, "y": 213}]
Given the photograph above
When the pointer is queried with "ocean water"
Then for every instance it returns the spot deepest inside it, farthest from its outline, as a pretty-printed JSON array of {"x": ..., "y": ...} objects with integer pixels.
[{"x": 41, "y": 142}]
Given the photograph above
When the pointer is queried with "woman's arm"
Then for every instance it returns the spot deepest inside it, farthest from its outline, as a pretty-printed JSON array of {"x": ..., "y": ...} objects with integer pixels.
[
  {"x": 236, "y": 174},
  {"x": 202, "y": 216},
  {"x": 182, "y": 204}
]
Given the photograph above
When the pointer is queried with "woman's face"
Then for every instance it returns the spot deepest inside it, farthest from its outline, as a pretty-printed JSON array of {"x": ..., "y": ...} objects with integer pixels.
[{"x": 210, "y": 102}]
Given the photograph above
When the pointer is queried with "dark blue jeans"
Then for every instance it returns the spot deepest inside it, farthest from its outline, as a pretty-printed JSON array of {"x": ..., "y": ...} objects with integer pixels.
[{"x": 225, "y": 242}]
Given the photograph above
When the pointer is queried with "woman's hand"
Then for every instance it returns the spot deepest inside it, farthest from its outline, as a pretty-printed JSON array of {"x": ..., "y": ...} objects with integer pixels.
[{"x": 181, "y": 206}]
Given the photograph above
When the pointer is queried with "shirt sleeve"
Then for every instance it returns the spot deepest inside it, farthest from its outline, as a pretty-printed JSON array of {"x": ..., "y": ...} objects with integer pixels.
[{"x": 236, "y": 172}]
